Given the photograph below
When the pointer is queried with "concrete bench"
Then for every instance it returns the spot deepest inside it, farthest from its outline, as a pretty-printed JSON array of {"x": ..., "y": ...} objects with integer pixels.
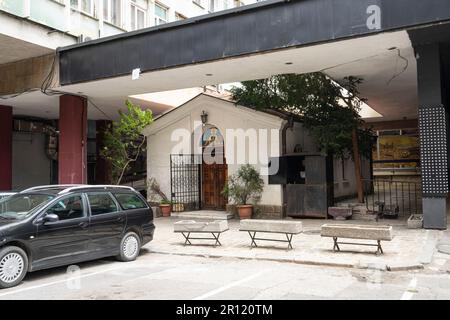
[
  {"x": 289, "y": 228},
  {"x": 215, "y": 228},
  {"x": 362, "y": 232}
]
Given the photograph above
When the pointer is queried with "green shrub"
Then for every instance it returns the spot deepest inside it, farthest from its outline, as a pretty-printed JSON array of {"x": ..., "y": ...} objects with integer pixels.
[{"x": 245, "y": 186}]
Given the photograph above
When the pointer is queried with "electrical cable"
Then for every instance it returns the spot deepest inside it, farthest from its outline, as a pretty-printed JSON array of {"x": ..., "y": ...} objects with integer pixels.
[
  {"x": 402, "y": 71},
  {"x": 47, "y": 83}
]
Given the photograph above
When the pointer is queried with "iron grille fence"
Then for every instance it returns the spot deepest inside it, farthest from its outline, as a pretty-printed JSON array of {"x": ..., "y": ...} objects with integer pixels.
[
  {"x": 393, "y": 198},
  {"x": 185, "y": 175}
]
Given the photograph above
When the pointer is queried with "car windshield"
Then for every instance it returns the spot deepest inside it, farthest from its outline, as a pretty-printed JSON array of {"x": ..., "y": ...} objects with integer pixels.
[{"x": 20, "y": 206}]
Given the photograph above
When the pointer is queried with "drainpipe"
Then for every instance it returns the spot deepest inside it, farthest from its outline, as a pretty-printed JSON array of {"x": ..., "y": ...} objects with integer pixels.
[{"x": 288, "y": 125}]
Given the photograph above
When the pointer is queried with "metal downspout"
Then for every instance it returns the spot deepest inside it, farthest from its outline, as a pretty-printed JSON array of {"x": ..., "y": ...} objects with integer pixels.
[{"x": 288, "y": 125}]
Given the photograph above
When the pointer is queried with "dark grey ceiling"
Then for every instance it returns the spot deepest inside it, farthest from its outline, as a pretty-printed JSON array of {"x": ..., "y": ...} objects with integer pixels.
[{"x": 268, "y": 26}]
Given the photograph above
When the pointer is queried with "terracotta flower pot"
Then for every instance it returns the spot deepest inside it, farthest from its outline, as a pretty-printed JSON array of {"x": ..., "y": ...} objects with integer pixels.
[
  {"x": 245, "y": 211},
  {"x": 166, "y": 209}
]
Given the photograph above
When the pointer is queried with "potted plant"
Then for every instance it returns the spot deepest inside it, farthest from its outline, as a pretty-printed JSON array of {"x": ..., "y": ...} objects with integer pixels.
[
  {"x": 243, "y": 188},
  {"x": 166, "y": 207},
  {"x": 159, "y": 196}
]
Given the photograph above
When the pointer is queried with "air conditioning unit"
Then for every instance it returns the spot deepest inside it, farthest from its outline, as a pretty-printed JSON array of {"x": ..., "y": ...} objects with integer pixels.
[{"x": 82, "y": 38}]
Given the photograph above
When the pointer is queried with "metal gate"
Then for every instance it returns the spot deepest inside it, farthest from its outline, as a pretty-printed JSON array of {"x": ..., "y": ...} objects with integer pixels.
[{"x": 185, "y": 175}]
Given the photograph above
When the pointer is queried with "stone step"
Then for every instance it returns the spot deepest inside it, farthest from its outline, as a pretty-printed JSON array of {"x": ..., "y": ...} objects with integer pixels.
[
  {"x": 209, "y": 215},
  {"x": 365, "y": 217}
]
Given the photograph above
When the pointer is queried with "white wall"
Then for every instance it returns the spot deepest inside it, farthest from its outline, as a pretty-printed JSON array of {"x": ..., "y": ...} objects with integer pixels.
[
  {"x": 223, "y": 115},
  {"x": 226, "y": 116}
]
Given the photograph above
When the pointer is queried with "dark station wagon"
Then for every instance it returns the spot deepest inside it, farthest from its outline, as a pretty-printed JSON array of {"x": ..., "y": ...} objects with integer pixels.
[{"x": 50, "y": 226}]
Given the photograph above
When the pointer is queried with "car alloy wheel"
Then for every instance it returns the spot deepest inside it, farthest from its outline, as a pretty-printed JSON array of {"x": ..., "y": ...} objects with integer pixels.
[
  {"x": 11, "y": 267},
  {"x": 130, "y": 246}
]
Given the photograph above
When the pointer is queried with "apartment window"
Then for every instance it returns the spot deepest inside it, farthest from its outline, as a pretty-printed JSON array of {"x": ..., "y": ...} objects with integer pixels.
[
  {"x": 198, "y": 2},
  {"x": 112, "y": 11},
  {"x": 138, "y": 16},
  {"x": 179, "y": 16},
  {"x": 160, "y": 14},
  {"x": 86, "y": 6},
  {"x": 212, "y": 6}
]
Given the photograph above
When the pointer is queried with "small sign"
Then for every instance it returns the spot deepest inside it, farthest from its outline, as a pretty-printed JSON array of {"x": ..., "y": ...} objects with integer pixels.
[{"x": 136, "y": 74}]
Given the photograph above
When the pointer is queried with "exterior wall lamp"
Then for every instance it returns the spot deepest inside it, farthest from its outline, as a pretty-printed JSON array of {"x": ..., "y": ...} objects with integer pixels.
[{"x": 204, "y": 117}]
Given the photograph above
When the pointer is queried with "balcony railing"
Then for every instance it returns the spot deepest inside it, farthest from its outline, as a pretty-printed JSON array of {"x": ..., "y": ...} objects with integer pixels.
[{"x": 391, "y": 198}]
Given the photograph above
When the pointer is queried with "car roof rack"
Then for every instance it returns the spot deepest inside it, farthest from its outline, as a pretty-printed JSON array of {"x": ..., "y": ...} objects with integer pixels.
[
  {"x": 74, "y": 188},
  {"x": 53, "y": 186}
]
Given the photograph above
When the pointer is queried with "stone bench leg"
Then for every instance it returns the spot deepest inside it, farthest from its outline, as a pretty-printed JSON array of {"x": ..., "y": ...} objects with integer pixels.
[
  {"x": 289, "y": 237},
  {"x": 378, "y": 245},
  {"x": 253, "y": 236},
  {"x": 336, "y": 245},
  {"x": 187, "y": 242},
  {"x": 379, "y": 248},
  {"x": 289, "y": 240},
  {"x": 216, "y": 236}
]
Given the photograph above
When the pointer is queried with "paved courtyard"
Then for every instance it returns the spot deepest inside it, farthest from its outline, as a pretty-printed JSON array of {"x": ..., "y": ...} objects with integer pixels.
[
  {"x": 195, "y": 273},
  {"x": 410, "y": 249},
  {"x": 161, "y": 277}
]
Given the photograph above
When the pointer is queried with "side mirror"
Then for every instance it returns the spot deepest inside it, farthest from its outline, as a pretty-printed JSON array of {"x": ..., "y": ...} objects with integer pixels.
[{"x": 50, "y": 218}]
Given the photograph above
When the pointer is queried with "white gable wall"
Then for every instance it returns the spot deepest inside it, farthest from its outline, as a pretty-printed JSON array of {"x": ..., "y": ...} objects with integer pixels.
[
  {"x": 226, "y": 115},
  {"x": 222, "y": 114}
]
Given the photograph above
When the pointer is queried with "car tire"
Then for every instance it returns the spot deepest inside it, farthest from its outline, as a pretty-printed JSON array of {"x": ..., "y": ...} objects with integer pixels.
[
  {"x": 13, "y": 266},
  {"x": 130, "y": 247}
]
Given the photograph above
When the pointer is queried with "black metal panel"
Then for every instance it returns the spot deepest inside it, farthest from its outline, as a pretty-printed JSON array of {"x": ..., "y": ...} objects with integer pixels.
[
  {"x": 433, "y": 150},
  {"x": 291, "y": 170},
  {"x": 315, "y": 195},
  {"x": 264, "y": 27},
  {"x": 185, "y": 177},
  {"x": 295, "y": 200}
]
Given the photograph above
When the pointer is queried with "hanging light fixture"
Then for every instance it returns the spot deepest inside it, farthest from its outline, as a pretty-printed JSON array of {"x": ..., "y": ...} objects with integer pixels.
[{"x": 204, "y": 117}]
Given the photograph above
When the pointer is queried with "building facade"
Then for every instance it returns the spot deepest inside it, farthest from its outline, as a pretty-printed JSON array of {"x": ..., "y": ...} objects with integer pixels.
[
  {"x": 92, "y": 19},
  {"x": 191, "y": 160},
  {"x": 399, "y": 47},
  {"x": 31, "y": 32}
]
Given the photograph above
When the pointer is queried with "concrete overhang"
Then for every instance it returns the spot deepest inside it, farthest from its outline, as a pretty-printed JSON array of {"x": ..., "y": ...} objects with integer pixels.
[
  {"x": 339, "y": 38},
  {"x": 22, "y": 39},
  {"x": 255, "y": 29}
]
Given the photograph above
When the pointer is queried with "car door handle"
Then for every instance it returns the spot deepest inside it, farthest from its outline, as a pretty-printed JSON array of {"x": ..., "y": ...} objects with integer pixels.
[
  {"x": 83, "y": 225},
  {"x": 121, "y": 219}
]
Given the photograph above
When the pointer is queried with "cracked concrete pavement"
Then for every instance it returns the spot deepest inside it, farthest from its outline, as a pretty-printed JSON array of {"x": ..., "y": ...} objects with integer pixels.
[{"x": 202, "y": 277}]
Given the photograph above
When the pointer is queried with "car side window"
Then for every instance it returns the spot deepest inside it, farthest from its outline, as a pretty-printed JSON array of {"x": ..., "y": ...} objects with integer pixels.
[
  {"x": 101, "y": 203},
  {"x": 130, "y": 201},
  {"x": 68, "y": 208}
]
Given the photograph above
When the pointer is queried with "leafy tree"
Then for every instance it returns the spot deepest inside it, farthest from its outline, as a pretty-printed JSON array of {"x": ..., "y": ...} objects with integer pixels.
[
  {"x": 124, "y": 141},
  {"x": 330, "y": 111},
  {"x": 330, "y": 114}
]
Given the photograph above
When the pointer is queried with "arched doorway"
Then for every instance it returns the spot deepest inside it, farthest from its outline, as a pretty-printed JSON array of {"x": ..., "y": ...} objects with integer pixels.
[{"x": 214, "y": 169}]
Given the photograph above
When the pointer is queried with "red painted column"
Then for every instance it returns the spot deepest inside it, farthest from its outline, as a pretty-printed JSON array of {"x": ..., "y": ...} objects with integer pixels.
[
  {"x": 103, "y": 169},
  {"x": 6, "y": 129},
  {"x": 72, "y": 152}
]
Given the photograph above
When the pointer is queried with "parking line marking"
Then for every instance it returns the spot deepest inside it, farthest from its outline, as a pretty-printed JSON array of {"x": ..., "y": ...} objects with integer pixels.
[
  {"x": 58, "y": 282},
  {"x": 230, "y": 285},
  {"x": 408, "y": 294}
]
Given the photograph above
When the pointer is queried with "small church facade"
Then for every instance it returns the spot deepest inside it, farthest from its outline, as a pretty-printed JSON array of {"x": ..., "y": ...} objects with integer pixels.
[{"x": 193, "y": 149}]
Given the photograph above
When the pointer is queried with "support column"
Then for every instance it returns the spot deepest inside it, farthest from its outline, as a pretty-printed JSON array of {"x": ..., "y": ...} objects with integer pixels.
[
  {"x": 433, "y": 118},
  {"x": 103, "y": 169},
  {"x": 72, "y": 152},
  {"x": 6, "y": 129}
]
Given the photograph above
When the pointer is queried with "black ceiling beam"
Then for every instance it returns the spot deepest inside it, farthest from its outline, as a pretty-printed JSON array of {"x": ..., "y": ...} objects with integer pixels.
[{"x": 264, "y": 27}]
